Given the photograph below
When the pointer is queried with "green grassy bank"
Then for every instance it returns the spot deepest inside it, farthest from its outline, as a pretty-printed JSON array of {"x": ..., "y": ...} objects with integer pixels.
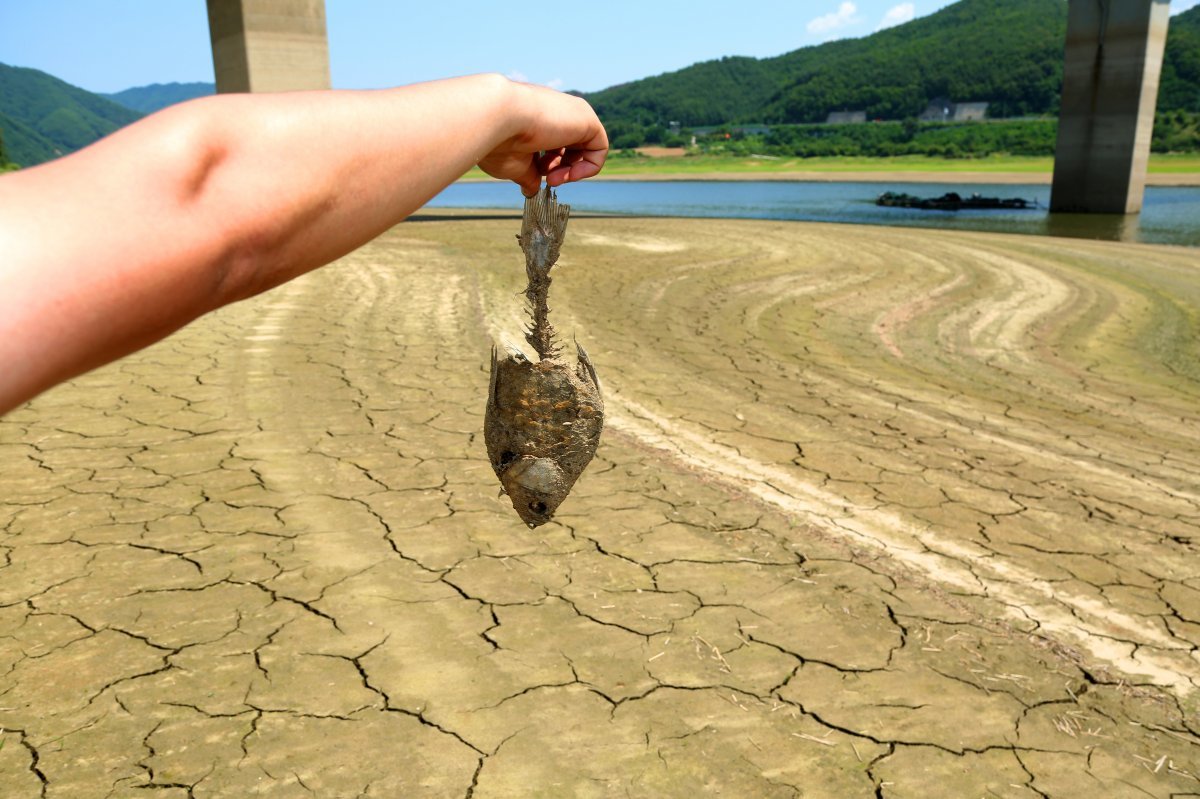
[{"x": 739, "y": 167}]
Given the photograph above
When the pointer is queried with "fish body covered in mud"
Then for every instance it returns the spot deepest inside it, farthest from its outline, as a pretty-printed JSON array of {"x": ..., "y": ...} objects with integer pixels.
[{"x": 543, "y": 417}]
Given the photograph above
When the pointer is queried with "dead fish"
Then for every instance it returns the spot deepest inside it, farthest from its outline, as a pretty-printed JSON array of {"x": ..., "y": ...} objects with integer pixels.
[{"x": 543, "y": 418}]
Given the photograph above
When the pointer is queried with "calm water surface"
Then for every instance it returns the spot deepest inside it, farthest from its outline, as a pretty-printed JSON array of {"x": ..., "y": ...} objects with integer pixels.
[{"x": 1170, "y": 215}]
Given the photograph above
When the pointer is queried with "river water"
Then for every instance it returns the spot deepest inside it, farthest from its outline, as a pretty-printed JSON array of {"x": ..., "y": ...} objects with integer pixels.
[{"x": 1171, "y": 215}]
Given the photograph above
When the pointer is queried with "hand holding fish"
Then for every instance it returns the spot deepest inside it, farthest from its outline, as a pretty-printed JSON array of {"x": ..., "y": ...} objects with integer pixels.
[{"x": 561, "y": 138}]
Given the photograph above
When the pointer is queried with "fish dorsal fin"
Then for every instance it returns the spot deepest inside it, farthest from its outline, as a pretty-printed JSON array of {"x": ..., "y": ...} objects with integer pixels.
[{"x": 588, "y": 371}]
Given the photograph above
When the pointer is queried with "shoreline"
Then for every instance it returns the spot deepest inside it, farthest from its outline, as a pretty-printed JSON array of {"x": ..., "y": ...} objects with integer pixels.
[{"x": 1161, "y": 179}]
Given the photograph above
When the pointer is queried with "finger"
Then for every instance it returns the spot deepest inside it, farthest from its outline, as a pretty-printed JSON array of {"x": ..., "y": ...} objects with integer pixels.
[
  {"x": 576, "y": 165},
  {"x": 589, "y": 163},
  {"x": 530, "y": 181},
  {"x": 550, "y": 161},
  {"x": 585, "y": 169}
]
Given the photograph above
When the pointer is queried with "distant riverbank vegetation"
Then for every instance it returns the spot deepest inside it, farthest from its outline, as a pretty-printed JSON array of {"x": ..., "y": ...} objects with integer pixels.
[
  {"x": 1174, "y": 131},
  {"x": 659, "y": 164}
]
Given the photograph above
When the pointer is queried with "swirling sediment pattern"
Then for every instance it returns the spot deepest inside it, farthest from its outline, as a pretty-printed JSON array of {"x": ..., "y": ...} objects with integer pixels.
[
  {"x": 878, "y": 513},
  {"x": 1010, "y": 416}
]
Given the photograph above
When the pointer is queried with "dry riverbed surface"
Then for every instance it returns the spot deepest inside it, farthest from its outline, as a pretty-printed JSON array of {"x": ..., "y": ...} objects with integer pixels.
[{"x": 879, "y": 513}]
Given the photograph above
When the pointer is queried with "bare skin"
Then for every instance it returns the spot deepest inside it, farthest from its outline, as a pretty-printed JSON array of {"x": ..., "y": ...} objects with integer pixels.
[{"x": 216, "y": 200}]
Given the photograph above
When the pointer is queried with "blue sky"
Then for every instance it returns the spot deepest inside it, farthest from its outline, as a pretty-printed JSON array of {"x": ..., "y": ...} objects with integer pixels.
[{"x": 116, "y": 44}]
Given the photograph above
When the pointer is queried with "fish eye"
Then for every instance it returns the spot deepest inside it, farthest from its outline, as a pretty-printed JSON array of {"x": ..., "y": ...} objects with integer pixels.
[{"x": 537, "y": 506}]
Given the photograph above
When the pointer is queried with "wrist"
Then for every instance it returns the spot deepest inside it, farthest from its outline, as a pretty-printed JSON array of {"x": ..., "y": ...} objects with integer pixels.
[{"x": 510, "y": 104}]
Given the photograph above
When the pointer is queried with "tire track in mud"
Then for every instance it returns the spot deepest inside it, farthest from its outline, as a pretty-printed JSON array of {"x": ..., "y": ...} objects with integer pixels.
[{"x": 1079, "y": 620}]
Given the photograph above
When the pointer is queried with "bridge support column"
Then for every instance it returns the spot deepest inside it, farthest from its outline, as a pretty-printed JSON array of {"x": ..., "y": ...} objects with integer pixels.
[
  {"x": 269, "y": 45},
  {"x": 1110, "y": 88}
]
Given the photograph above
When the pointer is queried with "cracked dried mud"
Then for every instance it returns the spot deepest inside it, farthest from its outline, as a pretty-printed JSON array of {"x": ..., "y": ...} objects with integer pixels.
[{"x": 879, "y": 513}]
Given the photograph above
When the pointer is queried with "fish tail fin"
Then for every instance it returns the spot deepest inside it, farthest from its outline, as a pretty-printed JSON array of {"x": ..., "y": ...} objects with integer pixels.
[{"x": 545, "y": 217}]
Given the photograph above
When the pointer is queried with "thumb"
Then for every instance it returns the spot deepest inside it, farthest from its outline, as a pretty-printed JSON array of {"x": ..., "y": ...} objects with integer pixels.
[{"x": 530, "y": 181}]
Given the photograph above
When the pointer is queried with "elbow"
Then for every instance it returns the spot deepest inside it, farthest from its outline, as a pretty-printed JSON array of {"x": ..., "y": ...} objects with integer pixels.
[
  {"x": 198, "y": 147},
  {"x": 194, "y": 144}
]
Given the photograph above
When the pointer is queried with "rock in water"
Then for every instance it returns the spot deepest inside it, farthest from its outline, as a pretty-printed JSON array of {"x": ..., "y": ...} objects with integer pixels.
[{"x": 543, "y": 419}]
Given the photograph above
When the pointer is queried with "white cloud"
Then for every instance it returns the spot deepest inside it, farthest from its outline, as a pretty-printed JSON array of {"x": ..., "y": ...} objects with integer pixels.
[
  {"x": 1178, "y": 6},
  {"x": 897, "y": 15},
  {"x": 846, "y": 14}
]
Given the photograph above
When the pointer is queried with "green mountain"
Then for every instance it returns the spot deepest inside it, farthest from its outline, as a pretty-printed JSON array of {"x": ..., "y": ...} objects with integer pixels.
[
  {"x": 1179, "y": 87},
  {"x": 42, "y": 117},
  {"x": 1006, "y": 52},
  {"x": 156, "y": 96}
]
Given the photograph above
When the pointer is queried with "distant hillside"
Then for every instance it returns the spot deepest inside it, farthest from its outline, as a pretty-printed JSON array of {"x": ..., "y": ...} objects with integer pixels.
[
  {"x": 1179, "y": 89},
  {"x": 156, "y": 96},
  {"x": 1006, "y": 52},
  {"x": 42, "y": 117}
]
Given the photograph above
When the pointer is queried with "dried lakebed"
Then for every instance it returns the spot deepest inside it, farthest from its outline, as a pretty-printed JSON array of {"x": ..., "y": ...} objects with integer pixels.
[{"x": 879, "y": 513}]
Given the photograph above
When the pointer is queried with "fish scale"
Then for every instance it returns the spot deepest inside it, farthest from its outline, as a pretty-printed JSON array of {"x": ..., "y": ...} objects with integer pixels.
[{"x": 543, "y": 418}]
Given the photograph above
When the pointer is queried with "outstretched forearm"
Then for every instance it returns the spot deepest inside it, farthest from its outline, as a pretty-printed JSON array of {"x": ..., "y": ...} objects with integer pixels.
[
  {"x": 294, "y": 181},
  {"x": 215, "y": 200}
]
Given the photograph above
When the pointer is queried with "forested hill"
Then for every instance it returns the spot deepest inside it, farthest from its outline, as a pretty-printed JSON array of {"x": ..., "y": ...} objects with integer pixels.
[
  {"x": 43, "y": 117},
  {"x": 148, "y": 99},
  {"x": 1179, "y": 89},
  {"x": 1006, "y": 52}
]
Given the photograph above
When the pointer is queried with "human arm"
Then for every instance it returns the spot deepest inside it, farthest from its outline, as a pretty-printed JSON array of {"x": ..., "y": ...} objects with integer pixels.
[{"x": 213, "y": 201}]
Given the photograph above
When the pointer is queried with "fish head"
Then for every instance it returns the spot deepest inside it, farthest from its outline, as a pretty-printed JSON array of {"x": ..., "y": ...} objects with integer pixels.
[{"x": 536, "y": 486}]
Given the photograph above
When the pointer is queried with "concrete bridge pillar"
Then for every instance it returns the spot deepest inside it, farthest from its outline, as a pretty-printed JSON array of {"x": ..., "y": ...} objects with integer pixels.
[
  {"x": 269, "y": 45},
  {"x": 1110, "y": 88}
]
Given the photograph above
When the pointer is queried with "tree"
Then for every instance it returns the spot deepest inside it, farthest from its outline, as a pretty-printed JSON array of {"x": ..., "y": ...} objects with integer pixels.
[{"x": 5, "y": 164}]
